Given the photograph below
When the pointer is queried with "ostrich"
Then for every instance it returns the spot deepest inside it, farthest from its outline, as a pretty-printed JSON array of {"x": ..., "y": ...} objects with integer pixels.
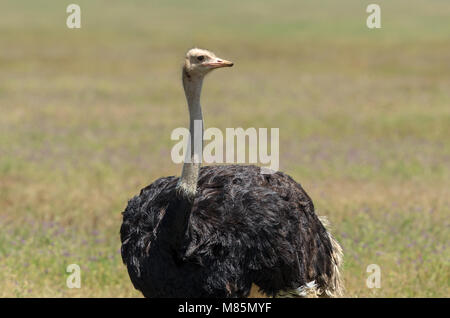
[{"x": 224, "y": 231}]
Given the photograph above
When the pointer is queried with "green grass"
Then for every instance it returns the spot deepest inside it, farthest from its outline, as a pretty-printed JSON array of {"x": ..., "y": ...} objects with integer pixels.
[{"x": 86, "y": 117}]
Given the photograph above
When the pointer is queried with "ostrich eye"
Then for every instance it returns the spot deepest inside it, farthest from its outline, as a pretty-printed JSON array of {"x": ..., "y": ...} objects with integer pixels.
[{"x": 201, "y": 58}]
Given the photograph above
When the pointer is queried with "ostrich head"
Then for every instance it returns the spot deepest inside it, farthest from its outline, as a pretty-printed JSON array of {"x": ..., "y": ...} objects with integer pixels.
[{"x": 200, "y": 62}]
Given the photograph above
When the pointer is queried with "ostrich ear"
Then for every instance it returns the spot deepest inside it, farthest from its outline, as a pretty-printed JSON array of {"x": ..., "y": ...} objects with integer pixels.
[{"x": 186, "y": 70}]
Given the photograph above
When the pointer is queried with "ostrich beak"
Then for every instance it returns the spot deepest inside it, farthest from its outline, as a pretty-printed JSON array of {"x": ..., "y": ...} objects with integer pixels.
[{"x": 220, "y": 63}]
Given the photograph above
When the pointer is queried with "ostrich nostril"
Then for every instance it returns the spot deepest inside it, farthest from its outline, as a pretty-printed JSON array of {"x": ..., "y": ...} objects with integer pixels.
[{"x": 219, "y": 61}]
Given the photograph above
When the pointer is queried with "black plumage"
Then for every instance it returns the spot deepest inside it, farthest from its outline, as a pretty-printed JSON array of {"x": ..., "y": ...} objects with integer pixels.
[{"x": 242, "y": 228}]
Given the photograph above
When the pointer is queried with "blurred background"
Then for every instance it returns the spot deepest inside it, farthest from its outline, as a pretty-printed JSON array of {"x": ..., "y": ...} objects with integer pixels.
[{"x": 86, "y": 116}]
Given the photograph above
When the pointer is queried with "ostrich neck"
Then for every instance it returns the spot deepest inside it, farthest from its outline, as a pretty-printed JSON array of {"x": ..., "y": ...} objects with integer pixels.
[{"x": 189, "y": 175}]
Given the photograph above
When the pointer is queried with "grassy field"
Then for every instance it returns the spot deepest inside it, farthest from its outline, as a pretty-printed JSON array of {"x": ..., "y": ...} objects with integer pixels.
[{"x": 86, "y": 117}]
